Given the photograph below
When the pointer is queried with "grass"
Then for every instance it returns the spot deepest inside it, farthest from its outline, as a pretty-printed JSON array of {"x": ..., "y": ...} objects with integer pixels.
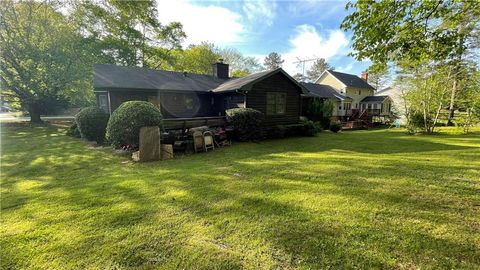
[{"x": 361, "y": 199}]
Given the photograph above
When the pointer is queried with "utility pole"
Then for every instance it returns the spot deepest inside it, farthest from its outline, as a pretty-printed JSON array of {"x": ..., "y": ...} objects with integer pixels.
[{"x": 302, "y": 62}]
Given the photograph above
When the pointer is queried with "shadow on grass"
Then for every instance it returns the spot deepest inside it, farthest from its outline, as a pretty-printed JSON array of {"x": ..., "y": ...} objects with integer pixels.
[{"x": 302, "y": 202}]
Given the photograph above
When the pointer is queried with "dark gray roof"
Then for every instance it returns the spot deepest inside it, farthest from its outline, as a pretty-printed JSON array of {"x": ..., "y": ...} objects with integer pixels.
[
  {"x": 374, "y": 99},
  {"x": 245, "y": 83},
  {"x": 323, "y": 91},
  {"x": 350, "y": 80},
  {"x": 112, "y": 76},
  {"x": 120, "y": 77}
]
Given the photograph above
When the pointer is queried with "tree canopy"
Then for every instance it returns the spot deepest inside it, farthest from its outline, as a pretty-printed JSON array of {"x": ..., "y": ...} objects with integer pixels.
[
  {"x": 35, "y": 67},
  {"x": 273, "y": 61},
  {"x": 318, "y": 67}
]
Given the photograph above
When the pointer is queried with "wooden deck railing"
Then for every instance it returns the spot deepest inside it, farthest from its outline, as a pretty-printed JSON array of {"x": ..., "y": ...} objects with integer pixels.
[{"x": 184, "y": 123}]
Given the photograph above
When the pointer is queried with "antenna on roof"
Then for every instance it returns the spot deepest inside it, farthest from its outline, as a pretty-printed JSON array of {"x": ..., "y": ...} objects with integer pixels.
[{"x": 302, "y": 62}]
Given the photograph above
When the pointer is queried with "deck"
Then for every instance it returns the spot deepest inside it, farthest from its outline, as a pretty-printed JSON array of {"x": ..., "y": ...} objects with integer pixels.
[{"x": 185, "y": 123}]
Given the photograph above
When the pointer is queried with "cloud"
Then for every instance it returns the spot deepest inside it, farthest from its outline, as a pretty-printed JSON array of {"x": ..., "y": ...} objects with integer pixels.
[
  {"x": 260, "y": 11},
  {"x": 308, "y": 43},
  {"x": 211, "y": 23}
]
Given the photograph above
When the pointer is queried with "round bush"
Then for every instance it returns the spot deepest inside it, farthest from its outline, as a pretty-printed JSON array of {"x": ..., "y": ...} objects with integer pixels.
[
  {"x": 91, "y": 123},
  {"x": 73, "y": 131},
  {"x": 123, "y": 128},
  {"x": 247, "y": 123},
  {"x": 335, "y": 127}
]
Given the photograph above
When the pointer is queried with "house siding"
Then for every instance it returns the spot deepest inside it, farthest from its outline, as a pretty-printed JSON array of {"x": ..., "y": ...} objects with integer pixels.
[
  {"x": 328, "y": 79},
  {"x": 257, "y": 99}
]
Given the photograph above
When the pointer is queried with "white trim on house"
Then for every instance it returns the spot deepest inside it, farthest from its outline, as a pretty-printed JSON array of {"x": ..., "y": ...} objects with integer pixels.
[{"x": 326, "y": 71}]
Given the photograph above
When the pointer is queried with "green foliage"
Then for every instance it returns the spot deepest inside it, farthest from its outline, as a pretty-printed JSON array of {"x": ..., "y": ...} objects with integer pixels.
[
  {"x": 427, "y": 94},
  {"x": 278, "y": 132},
  {"x": 311, "y": 128},
  {"x": 386, "y": 31},
  {"x": 335, "y": 127},
  {"x": 247, "y": 122},
  {"x": 318, "y": 67},
  {"x": 129, "y": 31},
  {"x": 240, "y": 66},
  {"x": 91, "y": 123},
  {"x": 273, "y": 61},
  {"x": 123, "y": 128},
  {"x": 320, "y": 111},
  {"x": 196, "y": 59},
  {"x": 36, "y": 68},
  {"x": 73, "y": 131}
]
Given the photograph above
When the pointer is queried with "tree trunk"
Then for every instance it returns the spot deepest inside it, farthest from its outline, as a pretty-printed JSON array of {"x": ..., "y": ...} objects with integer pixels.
[
  {"x": 34, "y": 112},
  {"x": 451, "y": 108}
]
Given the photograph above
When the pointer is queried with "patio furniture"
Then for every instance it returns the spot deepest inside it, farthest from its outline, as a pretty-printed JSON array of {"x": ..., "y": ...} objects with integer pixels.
[
  {"x": 208, "y": 142},
  {"x": 198, "y": 143}
]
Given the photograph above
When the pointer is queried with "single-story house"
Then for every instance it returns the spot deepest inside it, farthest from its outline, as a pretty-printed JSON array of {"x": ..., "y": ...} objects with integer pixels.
[{"x": 187, "y": 95}]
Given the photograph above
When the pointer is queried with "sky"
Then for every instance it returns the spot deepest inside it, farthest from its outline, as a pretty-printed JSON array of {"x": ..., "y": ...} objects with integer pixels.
[{"x": 298, "y": 30}]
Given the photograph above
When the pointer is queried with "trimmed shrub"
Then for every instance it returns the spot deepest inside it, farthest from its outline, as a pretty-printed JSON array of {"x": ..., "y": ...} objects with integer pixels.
[
  {"x": 247, "y": 123},
  {"x": 311, "y": 128},
  {"x": 73, "y": 131},
  {"x": 91, "y": 123},
  {"x": 277, "y": 132},
  {"x": 335, "y": 127},
  {"x": 123, "y": 128}
]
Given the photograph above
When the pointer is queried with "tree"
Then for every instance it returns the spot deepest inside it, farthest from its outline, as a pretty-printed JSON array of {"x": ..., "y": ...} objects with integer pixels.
[
  {"x": 240, "y": 65},
  {"x": 35, "y": 67},
  {"x": 300, "y": 77},
  {"x": 428, "y": 86},
  {"x": 378, "y": 77},
  {"x": 273, "y": 61},
  {"x": 196, "y": 59},
  {"x": 441, "y": 32},
  {"x": 318, "y": 67},
  {"x": 130, "y": 31}
]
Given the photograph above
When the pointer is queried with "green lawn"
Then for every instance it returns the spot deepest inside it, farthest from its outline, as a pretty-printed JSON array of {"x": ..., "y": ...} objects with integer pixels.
[{"x": 360, "y": 199}]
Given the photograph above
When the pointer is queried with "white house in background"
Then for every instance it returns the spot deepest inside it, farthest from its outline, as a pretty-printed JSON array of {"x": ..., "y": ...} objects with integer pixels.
[{"x": 396, "y": 94}]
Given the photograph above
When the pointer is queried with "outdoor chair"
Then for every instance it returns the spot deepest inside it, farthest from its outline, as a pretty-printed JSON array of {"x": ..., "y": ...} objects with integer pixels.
[
  {"x": 198, "y": 141},
  {"x": 208, "y": 140}
]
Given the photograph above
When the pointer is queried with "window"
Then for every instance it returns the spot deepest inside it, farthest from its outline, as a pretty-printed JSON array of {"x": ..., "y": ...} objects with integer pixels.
[
  {"x": 375, "y": 105},
  {"x": 276, "y": 103},
  {"x": 347, "y": 106},
  {"x": 369, "y": 106},
  {"x": 103, "y": 102},
  {"x": 359, "y": 92}
]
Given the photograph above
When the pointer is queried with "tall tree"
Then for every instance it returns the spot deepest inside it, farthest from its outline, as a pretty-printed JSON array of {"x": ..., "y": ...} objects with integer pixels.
[
  {"x": 240, "y": 65},
  {"x": 378, "y": 77},
  {"x": 43, "y": 58},
  {"x": 196, "y": 59},
  {"x": 441, "y": 32},
  {"x": 130, "y": 30},
  {"x": 273, "y": 61},
  {"x": 318, "y": 67}
]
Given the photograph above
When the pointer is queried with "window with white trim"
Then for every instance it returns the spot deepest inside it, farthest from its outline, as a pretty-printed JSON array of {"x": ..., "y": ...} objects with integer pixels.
[{"x": 103, "y": 102}]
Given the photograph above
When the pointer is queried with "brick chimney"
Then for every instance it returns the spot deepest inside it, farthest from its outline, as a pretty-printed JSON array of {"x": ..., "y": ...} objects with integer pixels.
[
  {"x": 364, "y": 76},
  {"x": 220, "y": 70}
]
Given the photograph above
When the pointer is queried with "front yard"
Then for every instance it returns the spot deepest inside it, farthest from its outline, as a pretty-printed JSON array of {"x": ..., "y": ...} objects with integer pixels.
[{"x": 361, "y": 199}]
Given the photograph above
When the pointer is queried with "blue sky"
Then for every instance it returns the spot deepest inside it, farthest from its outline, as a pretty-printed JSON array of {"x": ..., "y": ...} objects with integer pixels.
[{"x": 295, "y": 29}]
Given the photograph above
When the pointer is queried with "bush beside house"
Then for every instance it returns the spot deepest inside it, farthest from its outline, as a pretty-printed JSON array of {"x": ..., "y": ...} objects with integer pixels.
[
  {"x": 247, "y": 123},
  {"x": 91, "y": 123},
  {"x": 123, "y": 128}
]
